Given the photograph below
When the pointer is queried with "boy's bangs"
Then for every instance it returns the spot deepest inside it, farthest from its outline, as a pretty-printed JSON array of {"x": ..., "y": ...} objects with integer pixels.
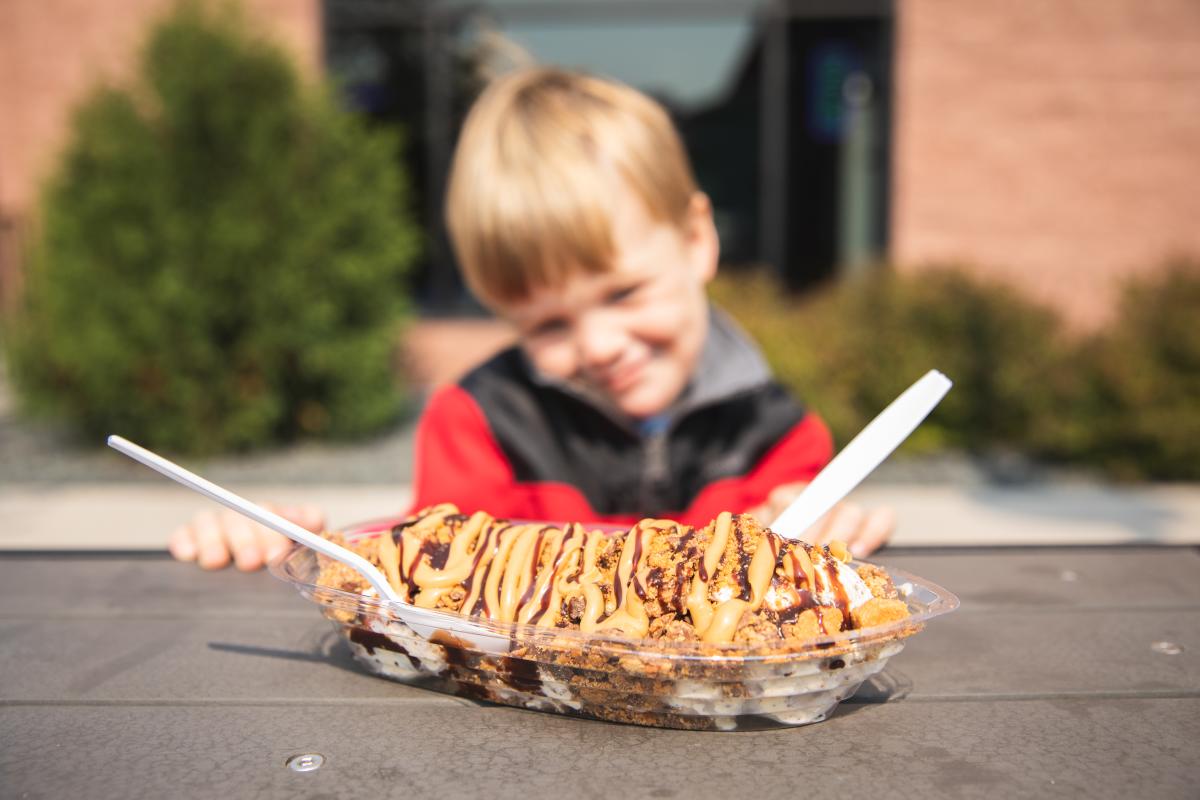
[{"x": 542, "y": 228}]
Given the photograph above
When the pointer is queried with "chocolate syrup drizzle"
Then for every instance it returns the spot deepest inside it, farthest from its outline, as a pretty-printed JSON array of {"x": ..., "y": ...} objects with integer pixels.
[{"x": 522, "y": 573}]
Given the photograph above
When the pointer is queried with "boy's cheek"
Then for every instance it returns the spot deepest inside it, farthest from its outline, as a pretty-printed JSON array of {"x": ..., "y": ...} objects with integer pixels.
[
  {"x": 661, "y": 324},
  {"x": 556, "y": 361}
]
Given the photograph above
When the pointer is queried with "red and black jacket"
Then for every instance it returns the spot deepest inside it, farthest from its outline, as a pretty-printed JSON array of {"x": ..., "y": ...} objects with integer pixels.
[{"x": 508, "y": 441}]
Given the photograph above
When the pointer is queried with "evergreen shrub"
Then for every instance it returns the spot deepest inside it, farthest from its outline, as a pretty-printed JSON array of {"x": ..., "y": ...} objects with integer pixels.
[
  {"x": 1143, "y": 380},
  {"x": 220, "y": 256},
  {"x": 850, "y": 349}
]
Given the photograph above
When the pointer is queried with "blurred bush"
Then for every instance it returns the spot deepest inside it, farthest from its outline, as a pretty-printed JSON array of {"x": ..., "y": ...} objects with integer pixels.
[
  {"x": 1143, "y": 380},
  {"x": 221, "y": 255},
  {"x": 1125, "y": 401}
]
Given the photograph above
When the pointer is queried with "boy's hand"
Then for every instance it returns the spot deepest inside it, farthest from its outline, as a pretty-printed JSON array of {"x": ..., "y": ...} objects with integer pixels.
[
  {"x": 863, "y": 531},
  {"x": 213, "y": 537}
]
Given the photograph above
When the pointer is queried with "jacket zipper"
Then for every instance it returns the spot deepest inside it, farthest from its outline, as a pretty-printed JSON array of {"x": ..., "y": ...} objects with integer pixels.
[{"x": 655, "y": 472}]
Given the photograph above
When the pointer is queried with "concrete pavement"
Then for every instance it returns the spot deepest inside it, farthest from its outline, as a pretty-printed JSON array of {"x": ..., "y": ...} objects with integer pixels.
[{"x": 138, "y": 516}]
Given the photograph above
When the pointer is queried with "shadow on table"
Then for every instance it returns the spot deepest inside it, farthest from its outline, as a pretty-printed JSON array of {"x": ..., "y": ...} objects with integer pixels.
[
  {"x": 888, "y": 686},
  {"x": 329, "y": 649}
]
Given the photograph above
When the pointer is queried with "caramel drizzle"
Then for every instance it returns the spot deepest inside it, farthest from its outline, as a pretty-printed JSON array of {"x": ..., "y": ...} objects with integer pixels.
[
  {"x": 719, "y": 624},
  {"x": 525, "y": 573},
  {"x": 563, "y": 545},
  {"x": 629, "y": 612}
]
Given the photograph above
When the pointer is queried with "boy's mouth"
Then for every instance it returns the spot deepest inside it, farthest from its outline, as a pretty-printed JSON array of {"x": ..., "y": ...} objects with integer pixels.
[{"x": 622, "y": 379}]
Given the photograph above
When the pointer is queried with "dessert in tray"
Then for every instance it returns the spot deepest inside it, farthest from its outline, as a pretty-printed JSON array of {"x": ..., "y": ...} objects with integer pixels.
[
  {"x": 731, "y": 581},
  {"x": 722, "y": 627}
]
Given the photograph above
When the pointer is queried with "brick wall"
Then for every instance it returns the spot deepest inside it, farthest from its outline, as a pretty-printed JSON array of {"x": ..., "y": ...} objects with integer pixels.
[
  {"x": 1052, "y": 143},
  {"x": 52, "y": 51}
]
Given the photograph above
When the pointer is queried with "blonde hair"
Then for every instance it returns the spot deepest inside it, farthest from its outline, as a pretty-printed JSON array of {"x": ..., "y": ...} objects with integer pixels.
[{"x": 530, "y": 191}]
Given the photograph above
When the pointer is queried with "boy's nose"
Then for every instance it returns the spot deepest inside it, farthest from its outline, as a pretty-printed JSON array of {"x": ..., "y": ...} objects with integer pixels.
[{"x": 598, "y": 342}]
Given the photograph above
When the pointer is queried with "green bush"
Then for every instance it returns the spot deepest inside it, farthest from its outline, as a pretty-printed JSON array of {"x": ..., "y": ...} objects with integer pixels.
[
  {"x": 221, "y": 255},
  {"x": 851, "y": 349},
  {"x": 1125, "y": 400},
  {"x": 1143, "y": 381}
]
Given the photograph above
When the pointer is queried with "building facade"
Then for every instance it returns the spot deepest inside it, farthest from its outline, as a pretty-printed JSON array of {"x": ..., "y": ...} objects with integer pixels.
[{"x": 1053, "y": 145}]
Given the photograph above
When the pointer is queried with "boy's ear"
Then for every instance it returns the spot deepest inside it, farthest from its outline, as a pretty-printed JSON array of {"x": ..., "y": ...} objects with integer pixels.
[{"x": 704, "y": 246}]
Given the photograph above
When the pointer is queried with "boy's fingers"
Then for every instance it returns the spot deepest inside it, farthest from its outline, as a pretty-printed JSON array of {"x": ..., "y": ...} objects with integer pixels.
[
  {"x": 778, "y": 500},
  {"x": 876, "y": 529},
  {"x": 271, "y": 544},
  {"x": 843, "y": 523},
  {"x": 316, "y": 519},
  {"x": 782, "y": 496},
  {"x": 212, "y": 552},
  {"x": 182, "y": 544},
  {"x": 308, "y": 517},
  {"x": 243, "y": 541},
  {"x": 813, "y": 534}
]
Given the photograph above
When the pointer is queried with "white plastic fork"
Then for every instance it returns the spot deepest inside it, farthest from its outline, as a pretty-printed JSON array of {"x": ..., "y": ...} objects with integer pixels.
[
  {"x": 424, "y": 621},
  {"x": 864, "y": 453}
]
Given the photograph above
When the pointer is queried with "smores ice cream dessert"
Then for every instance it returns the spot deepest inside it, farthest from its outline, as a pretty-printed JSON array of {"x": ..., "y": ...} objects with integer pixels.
[
  {"x": 732, "y": 581},
  {"x": 724, "y": 627}
]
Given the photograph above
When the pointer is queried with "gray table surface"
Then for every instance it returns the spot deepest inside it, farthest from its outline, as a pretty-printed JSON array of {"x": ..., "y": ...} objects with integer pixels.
[{"x": 130, "y": 675}]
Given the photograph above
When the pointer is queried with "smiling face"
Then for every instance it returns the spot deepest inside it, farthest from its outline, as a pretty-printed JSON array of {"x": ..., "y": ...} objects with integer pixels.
[{"x": 632, "y": 334}]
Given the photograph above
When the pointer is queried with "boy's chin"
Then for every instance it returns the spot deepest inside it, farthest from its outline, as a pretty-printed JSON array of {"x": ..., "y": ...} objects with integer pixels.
[{"x": 644, "y": 402}]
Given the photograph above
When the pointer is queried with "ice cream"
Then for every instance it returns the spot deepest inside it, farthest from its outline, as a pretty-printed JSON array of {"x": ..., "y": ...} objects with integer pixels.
[
  {"x": 730, "y": 581},
  {"x": 728, "y": 626}
]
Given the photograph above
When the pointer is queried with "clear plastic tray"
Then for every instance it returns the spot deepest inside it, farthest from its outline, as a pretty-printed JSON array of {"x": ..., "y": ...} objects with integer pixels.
[{"x": 644, "y": 682}]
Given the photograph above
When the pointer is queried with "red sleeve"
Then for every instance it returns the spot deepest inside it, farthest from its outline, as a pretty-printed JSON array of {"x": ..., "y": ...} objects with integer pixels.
[
  {"x": 798, "y": 456},
  {"x": 459, "y": 461},
  {"x": 456, "y": 460}
]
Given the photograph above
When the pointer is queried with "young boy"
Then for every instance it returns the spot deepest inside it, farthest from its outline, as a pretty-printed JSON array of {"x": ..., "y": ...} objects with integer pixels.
[{"x": 575, "y": 217}]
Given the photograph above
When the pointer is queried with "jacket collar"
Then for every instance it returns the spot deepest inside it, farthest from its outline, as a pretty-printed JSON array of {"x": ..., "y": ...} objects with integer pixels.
[{"x": 729, "y": 365}]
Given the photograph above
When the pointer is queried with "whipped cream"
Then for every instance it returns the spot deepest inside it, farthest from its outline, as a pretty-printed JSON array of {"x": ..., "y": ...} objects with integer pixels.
[{"x": 856, "y": 590}]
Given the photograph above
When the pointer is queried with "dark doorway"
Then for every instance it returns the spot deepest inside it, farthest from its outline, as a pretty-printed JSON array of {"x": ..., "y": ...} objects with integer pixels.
[
  {"x": 839, "y": 79},
  {"x": 784, "y": 107}
]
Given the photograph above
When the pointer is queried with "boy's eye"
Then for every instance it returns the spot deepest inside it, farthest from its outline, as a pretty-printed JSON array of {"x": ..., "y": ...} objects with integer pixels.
[
  {"x": 624, "y": 293},
  {"x": 548, "y": 327}
]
